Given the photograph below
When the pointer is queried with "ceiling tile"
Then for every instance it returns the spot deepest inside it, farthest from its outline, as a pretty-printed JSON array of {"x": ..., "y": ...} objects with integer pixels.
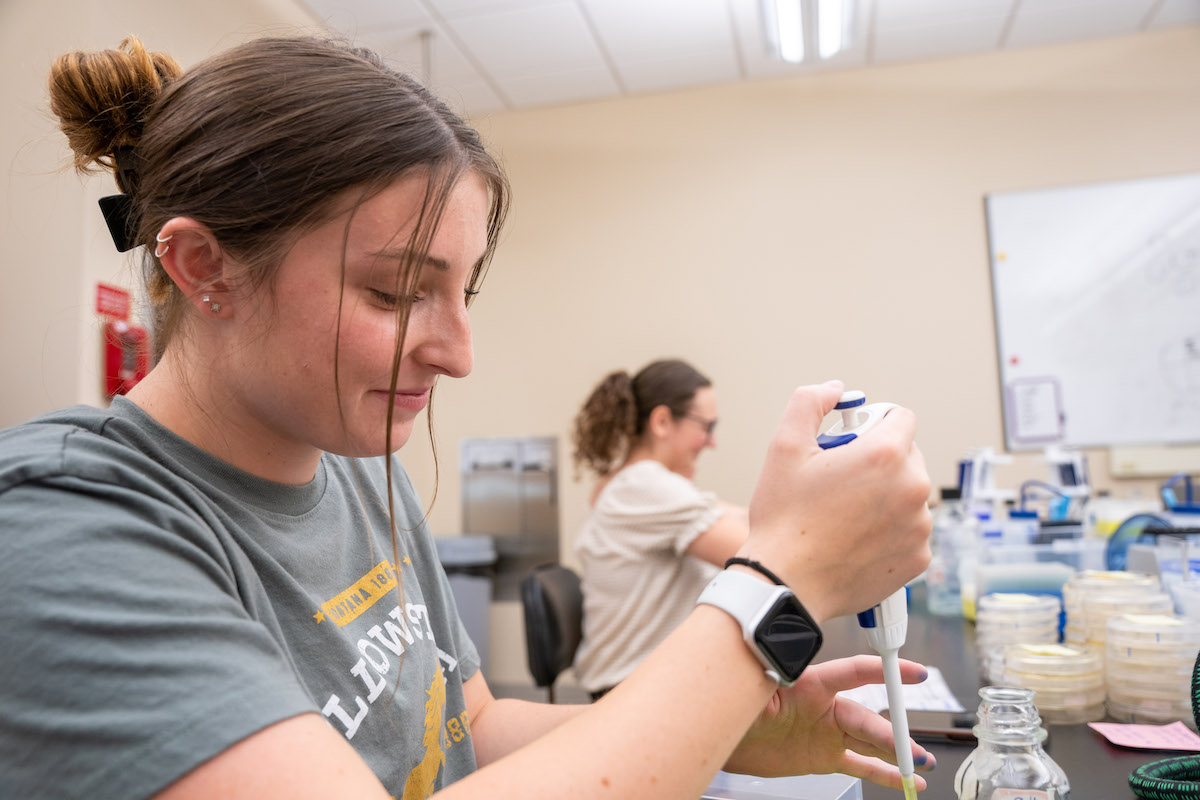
[
  {"x": 937, "y": 12},
  {"x": 460, "y": 8},
  {"x": 492, "y": 54},
  {"x": 530, "y": 41},
  {"x": 1052, "y": 21},
  {"x": 690, "y": 69},
  {"x": 352, "y": 17},
  {"x": 560, "y": 86},
  {"x": 644, "y": 30},
  {"x": 470, "y": 99},
  {"x": 1176, "y": 12},
  {"x": 404, "y": 50},
  {"x": 937, "y": 40}
]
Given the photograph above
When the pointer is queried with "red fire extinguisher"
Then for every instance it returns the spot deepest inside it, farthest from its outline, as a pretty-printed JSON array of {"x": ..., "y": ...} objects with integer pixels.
[
  {"x": 126, "y": 346},
  {"x": 126, "y": 356}
]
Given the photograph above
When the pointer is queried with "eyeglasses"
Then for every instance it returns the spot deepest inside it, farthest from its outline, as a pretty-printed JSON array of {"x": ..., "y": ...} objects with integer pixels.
[{"x": 709, "y": 425}]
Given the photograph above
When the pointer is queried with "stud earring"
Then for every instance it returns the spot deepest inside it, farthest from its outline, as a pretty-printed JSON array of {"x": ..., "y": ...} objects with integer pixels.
[
  {"x": 160, "y": 252},
  {"x": 212, "y": 305}
]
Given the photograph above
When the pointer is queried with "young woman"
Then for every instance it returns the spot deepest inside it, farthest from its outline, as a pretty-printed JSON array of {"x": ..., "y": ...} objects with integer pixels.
[
  {"x": 221, "y": 586},
  {"x": 652, "y": 540}
]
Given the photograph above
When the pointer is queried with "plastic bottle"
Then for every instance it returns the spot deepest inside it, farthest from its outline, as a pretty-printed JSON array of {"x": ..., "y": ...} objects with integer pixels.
[
  {"x": 943, "y": 589},
  {"x": 1009, "y": 761},
  {"x": 1021, "y": 528},
  {"x": 973, "y": 540}
]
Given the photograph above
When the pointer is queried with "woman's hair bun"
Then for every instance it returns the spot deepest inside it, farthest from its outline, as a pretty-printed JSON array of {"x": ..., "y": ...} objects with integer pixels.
[{"x": 102, "y": 98}]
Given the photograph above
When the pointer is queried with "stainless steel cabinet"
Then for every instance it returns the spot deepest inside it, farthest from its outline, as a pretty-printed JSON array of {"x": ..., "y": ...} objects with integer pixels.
[{"x": 510, "y": 492}]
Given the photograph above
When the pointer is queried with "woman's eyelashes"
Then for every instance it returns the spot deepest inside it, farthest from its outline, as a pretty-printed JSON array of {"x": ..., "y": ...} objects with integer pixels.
[{"x": 392, "y": 301}]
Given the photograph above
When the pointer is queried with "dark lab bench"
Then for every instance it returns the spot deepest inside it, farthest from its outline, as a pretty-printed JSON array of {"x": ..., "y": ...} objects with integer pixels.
[{"x": 1095, "y": 768}]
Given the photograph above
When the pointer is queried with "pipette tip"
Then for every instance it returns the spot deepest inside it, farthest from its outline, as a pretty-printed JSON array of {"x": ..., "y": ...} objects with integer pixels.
[{"x": 910, "y": 787}]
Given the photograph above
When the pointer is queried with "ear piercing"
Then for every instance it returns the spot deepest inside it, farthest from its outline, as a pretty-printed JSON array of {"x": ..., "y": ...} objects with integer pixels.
[
  {"x": 159, "y": 252},
  {"x": 212, "y": 304}
]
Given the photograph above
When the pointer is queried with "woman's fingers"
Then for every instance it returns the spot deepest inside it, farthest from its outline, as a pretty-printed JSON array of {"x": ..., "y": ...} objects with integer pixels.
[
  {"x": 862, "y": 725},
  {"x": 877, "y": 771},
  {"x": 851, "y": 672}
]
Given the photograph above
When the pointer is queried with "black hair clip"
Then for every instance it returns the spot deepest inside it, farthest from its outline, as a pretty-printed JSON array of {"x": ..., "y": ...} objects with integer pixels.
[
  {"x": 118, "y": 215},
  {"x": 118, "y": 208}
]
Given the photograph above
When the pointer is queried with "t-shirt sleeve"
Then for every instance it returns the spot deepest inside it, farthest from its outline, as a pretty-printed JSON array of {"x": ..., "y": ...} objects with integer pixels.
[
  {"x": 127, "y": 657},
  {"x": 658, "y": 509}
]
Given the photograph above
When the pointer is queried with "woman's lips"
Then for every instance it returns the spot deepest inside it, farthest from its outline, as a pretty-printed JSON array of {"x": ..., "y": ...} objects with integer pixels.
[{"x": 409, "y": 401}]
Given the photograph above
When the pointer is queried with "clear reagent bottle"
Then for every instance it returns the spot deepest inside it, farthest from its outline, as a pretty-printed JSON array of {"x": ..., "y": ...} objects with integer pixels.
[{"x": 1009, "y": 762}]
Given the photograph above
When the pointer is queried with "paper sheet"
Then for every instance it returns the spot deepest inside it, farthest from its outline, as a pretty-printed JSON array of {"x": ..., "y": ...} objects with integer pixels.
[
  {"x": 931, "y": 695},
  {"x": 1175, "y": 736}
]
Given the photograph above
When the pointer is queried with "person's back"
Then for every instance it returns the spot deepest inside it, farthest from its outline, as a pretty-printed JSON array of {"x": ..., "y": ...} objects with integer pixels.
[
  {"x": 638, "y": 580},
  {"x": 652, "y": 540}
]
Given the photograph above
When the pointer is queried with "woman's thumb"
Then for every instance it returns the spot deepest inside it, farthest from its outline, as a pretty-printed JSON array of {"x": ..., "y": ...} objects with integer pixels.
[{"x": 810, "y": 404}]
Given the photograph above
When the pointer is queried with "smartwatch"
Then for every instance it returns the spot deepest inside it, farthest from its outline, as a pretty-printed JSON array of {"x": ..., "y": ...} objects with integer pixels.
[{"x": 776, "y": 627}]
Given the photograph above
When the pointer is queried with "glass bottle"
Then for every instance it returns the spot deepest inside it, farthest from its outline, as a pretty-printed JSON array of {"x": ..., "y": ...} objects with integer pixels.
[{"x": 1009, "y": 762}]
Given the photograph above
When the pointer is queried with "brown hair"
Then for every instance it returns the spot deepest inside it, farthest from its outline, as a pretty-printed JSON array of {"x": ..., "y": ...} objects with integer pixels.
[
  {"x": 614, "y": 415},
  {"x": 262, "y": 143},
  {"x": 259, "y": 142}
]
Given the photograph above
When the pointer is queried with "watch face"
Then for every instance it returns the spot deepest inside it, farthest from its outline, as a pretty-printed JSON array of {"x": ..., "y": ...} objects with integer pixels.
[{"x": 788, "y": 637}]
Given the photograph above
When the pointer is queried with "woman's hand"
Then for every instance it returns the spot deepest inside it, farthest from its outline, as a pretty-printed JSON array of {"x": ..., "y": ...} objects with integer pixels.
[
  {"x": 843, "y": 527},
  {"x": 808, "y": 729}
]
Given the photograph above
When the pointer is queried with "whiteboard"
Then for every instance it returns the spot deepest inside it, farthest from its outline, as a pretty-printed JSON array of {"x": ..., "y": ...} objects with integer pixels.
[{"x": 1097, "y": 304}]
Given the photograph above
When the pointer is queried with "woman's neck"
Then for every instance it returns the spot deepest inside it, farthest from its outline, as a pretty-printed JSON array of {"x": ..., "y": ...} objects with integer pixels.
[{"x": 187, "y": 405}]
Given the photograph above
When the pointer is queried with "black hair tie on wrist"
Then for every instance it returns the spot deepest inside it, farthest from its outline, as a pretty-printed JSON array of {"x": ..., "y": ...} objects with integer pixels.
[{"x": 757, "y": 567}]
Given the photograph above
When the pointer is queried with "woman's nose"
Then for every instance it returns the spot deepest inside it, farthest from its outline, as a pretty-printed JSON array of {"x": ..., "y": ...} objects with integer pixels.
[{"x": 445, "y": 343}]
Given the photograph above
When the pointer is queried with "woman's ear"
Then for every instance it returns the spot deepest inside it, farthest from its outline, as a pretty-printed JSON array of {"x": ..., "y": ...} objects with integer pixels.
[
  {"x": 660, "y": 421},
  {"x": 190, "y": 254}
]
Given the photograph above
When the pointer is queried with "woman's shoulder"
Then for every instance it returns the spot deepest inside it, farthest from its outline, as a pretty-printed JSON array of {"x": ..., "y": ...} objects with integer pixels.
[
  {"x": 648, "y": 469},
  {"x": 48, "y": 445},
  {"x": 645, "y": 481}
]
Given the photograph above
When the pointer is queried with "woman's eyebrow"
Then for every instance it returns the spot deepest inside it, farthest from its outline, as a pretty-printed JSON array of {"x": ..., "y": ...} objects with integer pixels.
[{"x": 402, "y": 253}]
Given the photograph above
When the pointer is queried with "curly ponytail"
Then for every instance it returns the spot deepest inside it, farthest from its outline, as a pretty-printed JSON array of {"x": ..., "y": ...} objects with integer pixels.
[
  {"x": 605, "y": 424},
  {"x": 616, "y": 412}
]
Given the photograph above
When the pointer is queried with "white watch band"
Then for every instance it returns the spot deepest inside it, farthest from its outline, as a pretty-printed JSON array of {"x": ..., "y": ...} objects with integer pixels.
[{"x": 747, "y": 599}]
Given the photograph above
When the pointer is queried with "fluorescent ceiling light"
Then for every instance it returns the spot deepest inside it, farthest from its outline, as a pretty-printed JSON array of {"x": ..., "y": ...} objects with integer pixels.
[
  {"x": 831, "y": 31},
  {"x": 789, "y": 21},
  {"x": 797, "y": 27}
]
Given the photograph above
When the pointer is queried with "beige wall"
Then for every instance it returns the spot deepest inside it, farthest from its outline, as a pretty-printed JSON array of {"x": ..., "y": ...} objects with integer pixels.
[
  {"x": 774, "y": 233},
  {"x": 790, "y": 231},
  {"x": 55, "y": 245}
]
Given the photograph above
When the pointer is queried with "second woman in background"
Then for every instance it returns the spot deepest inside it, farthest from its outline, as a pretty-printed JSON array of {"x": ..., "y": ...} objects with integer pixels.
[{"x": 652, "y": 539}]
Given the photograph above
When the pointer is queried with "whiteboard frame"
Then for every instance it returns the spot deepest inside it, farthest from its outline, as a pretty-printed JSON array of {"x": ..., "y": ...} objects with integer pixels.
[{"x": 1035, "y": 415}]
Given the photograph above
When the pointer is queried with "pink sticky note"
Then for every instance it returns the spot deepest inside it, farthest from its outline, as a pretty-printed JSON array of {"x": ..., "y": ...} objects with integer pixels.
[{"x": 1175, "y": 736}]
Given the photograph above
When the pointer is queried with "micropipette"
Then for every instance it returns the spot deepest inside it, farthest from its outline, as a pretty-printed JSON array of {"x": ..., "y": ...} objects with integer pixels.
[{"x": 887, "y": 623}]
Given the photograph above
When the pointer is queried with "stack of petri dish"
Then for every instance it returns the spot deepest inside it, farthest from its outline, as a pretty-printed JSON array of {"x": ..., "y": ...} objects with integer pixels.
[
  {"x": 1092, "y": 597},
  {"x": 1149, "y": 662},
  {"x": 1069, "y": 681},
  {"x": 1006, "y": 618}
]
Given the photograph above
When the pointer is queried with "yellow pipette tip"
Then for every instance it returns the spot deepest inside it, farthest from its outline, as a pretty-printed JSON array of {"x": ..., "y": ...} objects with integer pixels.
[{"x": 910, "y": 787}]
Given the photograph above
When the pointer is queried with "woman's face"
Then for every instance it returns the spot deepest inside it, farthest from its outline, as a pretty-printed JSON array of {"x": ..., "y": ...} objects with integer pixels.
[
  {"x": 689, "y": 435},
  {"x": 285, "y": 362}
]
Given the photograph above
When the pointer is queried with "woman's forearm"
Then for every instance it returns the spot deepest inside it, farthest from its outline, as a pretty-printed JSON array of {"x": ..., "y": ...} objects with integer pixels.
[{"x": 663, "y": 732}]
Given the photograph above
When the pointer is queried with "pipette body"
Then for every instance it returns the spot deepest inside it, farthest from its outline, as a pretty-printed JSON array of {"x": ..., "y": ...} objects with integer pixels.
[{"x": 886, "y": 624}]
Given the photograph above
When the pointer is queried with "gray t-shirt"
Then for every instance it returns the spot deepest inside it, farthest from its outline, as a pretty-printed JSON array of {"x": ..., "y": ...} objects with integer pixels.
[{"x": 158, "y": 605}]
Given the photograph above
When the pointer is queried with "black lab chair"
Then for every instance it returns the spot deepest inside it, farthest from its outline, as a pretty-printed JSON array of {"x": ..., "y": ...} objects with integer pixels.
[{"x": 553, "y": 605}]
